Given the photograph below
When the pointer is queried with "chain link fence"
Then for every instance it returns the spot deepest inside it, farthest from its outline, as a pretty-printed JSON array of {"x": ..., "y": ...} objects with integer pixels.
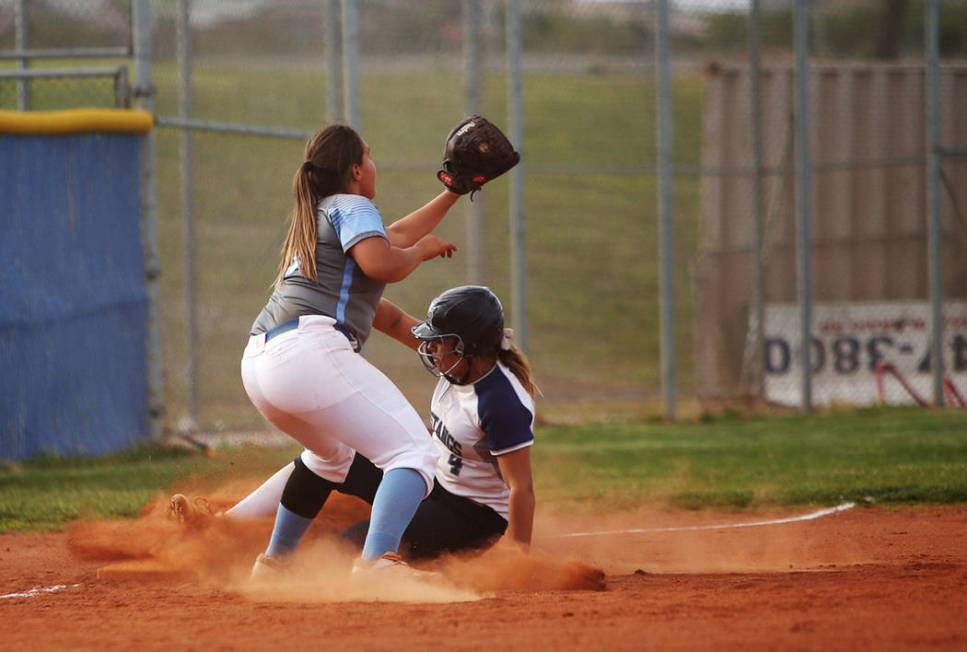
[
  {"x": 78, "y": 52},
  {"x": 868, "y": 144},
  {"x": 253, "y": 78},
  {"x": 589, "y": 198}
]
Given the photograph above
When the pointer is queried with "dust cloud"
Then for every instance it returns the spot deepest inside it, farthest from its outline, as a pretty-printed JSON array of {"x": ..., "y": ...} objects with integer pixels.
[{"x": 219, "y": 551}]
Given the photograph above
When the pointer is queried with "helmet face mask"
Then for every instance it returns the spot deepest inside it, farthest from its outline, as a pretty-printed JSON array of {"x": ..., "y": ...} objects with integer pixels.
[{"x": 433, "y": 357}]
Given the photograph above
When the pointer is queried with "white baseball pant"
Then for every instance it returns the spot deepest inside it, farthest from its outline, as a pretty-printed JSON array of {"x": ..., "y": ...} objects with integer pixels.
[{"x": 310, "y": 384}]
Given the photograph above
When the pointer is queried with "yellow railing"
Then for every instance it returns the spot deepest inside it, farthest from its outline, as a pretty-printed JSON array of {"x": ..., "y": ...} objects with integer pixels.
[{"x": 75, "y": 121}]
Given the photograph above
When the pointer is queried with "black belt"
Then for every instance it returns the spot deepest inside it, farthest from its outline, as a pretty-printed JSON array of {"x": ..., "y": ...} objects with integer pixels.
[{"x": 287, "y": 326}]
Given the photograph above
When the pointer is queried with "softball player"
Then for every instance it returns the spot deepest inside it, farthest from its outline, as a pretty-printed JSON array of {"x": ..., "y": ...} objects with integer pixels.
[
  {"x": 482, "y": 414},
  {"x": 301, "y": 367}
]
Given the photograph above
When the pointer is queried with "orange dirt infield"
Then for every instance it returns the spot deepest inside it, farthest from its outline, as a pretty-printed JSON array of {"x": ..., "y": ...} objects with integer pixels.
[{"x": 868, "y": 578}]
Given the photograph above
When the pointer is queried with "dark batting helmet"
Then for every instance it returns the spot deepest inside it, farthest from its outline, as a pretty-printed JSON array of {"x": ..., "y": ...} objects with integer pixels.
[{"x": 472, "y": 314}]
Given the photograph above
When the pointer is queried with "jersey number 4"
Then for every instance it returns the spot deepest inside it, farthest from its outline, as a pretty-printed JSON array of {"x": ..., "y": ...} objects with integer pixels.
[{"x": 456, "y": 463}]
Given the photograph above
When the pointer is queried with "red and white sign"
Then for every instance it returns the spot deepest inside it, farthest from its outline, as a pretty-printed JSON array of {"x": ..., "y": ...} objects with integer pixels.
[{"x": 850, "y": 340}]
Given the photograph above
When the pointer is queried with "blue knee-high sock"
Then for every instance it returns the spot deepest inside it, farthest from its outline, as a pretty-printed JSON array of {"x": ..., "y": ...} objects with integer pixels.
[
  {"x": 288, "y": 531},
  {"x": 397, "y": 498}
]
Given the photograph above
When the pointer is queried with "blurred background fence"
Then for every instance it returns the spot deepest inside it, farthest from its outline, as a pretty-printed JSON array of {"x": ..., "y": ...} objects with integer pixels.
[{"x": 612, "y": 209}]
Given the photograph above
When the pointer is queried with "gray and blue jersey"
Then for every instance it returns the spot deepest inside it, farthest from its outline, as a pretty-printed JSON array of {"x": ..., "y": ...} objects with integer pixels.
[{"x": 342, "y": 291}]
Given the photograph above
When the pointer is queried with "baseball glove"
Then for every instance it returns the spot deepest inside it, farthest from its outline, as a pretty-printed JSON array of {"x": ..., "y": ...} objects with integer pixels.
[{"x": 476, "y": 152}]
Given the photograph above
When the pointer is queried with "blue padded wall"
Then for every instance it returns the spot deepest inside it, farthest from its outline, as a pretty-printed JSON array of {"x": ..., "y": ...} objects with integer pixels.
[{"x": 73, "y": 305}]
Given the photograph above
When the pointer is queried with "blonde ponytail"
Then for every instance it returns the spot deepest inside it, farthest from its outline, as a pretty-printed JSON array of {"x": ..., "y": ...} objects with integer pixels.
[
  {"x": 329, "y": 157},
  {"x": 300, "y": 241}
]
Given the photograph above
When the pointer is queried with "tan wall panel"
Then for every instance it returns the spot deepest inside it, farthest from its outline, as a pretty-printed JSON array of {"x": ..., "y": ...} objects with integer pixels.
[{"x": 869, "y": 226}]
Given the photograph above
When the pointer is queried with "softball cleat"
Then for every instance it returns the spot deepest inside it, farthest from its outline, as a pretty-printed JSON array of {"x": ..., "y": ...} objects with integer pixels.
[
  {"x": 390, "y": 565},
  {"x": 268, "y": 568}
]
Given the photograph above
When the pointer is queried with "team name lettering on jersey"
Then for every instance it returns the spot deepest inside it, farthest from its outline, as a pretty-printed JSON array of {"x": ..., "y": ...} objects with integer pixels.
[{"x": 440, "y": 432}]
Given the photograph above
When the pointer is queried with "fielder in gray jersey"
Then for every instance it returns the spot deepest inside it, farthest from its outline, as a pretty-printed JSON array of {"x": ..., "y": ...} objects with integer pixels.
[{"x": 301, "y": 367}]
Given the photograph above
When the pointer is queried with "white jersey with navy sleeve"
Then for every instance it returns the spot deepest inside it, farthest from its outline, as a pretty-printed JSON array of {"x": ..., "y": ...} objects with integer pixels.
[
  {"x": 341, "y": 290},
  {"x": 475, "y": 424}
]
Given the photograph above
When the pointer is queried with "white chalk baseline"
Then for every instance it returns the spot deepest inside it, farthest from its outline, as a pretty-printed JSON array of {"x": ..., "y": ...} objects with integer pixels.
[{"x": 724, "y": 526}]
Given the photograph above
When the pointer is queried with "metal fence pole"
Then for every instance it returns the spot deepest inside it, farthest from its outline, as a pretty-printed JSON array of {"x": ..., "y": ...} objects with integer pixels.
[
  {"x": 803, "y": 188},
  {"x": 472, "y": 15},
  {"x": 350, "y": 54},
  {"x": 32, "y": 54},
  {"x": 122, "y": 90},
  {"x": 758, "y": 210},
  {"x": 934, "y": 252},
  {"x": 214, "y": 127},
  {"x": 22, "y": 42},
  {"x": 144, "y": 91},
  {"x": 666, "y": 235},
  {"x": 334, "y": 101},
  {"x": 187, "y": 213},
  {"x": 108, "y": 72},
  {"x": 515, "y": 119}
]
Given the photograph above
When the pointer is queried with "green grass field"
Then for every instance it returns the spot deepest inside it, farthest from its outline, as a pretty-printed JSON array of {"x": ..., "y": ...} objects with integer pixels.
[{"x": 889, "y": 456}]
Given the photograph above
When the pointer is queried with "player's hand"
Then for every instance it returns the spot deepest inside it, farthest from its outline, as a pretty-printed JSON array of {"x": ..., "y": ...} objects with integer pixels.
[{"x": 430, "y": 246}]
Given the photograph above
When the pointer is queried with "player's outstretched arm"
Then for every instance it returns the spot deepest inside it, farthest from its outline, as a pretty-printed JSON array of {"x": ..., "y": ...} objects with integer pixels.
[
  {"x": 516, "y": 469},
  {"x": 406, "y": 231},
  {"x": 395, "y": 322},
  {"x": 386, "y": 263}
]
